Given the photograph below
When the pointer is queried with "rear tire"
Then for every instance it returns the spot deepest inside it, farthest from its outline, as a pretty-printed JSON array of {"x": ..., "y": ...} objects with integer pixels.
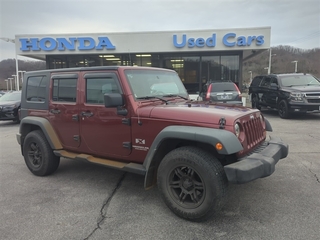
[
  {"x": 192, "y": 183},
  {"x": 38, "y": 154},
  {"x": 255, "y": 103}
]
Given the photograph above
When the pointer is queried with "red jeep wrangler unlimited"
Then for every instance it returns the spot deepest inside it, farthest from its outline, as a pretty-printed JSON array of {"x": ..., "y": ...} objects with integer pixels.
[{"x": 140, "y": 120}]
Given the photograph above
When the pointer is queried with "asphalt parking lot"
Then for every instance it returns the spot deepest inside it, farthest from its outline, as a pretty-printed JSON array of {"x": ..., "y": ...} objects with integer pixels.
[{"x": 84, "y": 201}]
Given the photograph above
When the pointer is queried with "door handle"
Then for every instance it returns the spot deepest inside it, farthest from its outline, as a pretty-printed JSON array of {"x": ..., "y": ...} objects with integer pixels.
[
  {"x": 55, "y": 111},
  {"x": 87, "y": 114}
]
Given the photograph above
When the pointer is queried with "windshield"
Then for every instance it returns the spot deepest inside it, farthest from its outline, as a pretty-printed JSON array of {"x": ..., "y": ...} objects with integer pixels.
[
  {"x": 299, "y": 80},
  {"x": 11, "y": 97},
  {"x": 155, "y": 83}
]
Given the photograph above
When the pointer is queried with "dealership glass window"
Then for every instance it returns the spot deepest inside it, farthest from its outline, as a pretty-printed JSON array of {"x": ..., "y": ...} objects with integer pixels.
[
  {"x": 187, "y": 68},
  {"x": 110, "y": 60},
  {"x": 64, "y": 90},
  {"x": 210, "y": 68},
  {"x": 230, "y": 68},
  {"x": 57, "y": 62},
  {"x": 36, "y": 89}
]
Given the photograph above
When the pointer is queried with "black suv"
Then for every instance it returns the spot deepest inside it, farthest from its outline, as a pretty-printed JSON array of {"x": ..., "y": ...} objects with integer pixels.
[
  {"x": 221, "y": 91},
  {"x": 288, "y": 93}
]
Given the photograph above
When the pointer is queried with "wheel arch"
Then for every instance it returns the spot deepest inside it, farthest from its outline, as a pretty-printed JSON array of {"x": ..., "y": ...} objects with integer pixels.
[
  {"x": 173, "y": 137},
  {"x": 29, "y": 124}
]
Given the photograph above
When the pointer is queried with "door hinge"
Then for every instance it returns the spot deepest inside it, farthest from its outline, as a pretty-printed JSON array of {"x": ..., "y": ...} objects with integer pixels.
[
  {"x": 126, "y": 121},
  {"x": 75, "y": 117}
]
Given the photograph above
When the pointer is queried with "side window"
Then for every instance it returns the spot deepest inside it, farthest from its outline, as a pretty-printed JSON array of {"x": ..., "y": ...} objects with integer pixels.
[
  {"x": 256, "y": 82},
  {"x": 265, "y": 82},
  {"x": 97, "y": 87},
  {"x": 36, "y": 89},
  {"x": 274, "y": 81},
  {"x": 64, "y": 90}
]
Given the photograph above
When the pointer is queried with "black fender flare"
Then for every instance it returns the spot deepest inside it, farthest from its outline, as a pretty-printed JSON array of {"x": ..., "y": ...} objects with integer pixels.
[
  {"x": 47, "y": 129},
  {"x": 230, "y": 142},
  {"x": 268, "y": 125}
]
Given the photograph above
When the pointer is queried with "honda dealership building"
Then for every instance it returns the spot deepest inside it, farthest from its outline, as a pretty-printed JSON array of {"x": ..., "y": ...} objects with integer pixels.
[{"x": 197, "y": 56}]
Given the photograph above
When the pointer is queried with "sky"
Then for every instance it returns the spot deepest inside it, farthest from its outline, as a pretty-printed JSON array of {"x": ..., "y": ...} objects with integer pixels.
[{"x": 293, "y": 22}]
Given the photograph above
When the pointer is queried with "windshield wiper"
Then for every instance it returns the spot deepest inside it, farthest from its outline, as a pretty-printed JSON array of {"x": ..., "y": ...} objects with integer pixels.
[
  {"x": 150, "y": 97},
  {"x": 175, "y": 95}
]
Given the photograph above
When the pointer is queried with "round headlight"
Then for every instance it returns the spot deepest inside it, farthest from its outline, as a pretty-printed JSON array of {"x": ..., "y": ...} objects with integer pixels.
[{"x": 237, "y": 129}]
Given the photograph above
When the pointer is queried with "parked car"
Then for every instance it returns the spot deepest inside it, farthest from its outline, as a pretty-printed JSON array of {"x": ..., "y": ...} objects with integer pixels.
[
  {"x": 10, "y": 105},
  {"x": 287, "y": 93},
  {"x": 222, "y": 92}
]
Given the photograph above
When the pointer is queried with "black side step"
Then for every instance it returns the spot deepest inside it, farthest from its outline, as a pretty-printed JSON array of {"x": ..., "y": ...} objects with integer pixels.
[{"x": 129, "y": 167}]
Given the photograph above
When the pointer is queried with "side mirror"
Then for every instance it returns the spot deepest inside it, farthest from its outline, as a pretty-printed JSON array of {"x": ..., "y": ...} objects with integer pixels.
[{"x": 113, "y": 100}]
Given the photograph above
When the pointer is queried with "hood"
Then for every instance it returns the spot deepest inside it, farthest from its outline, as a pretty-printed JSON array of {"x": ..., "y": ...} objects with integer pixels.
[
  {"x": 199, "y": 112},
  {"x": 310, "y": 88},
  {"x": 6, "y": 103}
]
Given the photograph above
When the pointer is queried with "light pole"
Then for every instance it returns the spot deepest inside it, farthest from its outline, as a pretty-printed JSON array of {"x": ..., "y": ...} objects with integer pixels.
[
  {"x": 7, "y": 84},
  {"x": 22, "y": 74},
  {"x": 10, "y": 83},
  {"x": 295, "y": 65},
  {"x": 15, "y": 79},
  {"x": 17, "y": 68},
  {"x": 270, "y": 57}
]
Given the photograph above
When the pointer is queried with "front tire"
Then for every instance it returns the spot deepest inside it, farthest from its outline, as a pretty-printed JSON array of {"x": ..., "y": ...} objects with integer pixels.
[
  {"x": 192, "y": 183},
  {"x": 283, "y": 109},
  {"x": 38, "y": 154}
]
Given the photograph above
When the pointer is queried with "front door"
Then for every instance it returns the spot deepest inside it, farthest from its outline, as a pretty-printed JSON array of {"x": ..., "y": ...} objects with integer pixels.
[{"x": 103, "y": 131}]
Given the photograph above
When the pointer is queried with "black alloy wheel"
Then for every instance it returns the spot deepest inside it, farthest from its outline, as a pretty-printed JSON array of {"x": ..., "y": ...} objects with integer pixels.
[
  {"x": 192, "y": 183},
  {"x": 283, "y": 109},
  {"x": 38, "y": 154}
]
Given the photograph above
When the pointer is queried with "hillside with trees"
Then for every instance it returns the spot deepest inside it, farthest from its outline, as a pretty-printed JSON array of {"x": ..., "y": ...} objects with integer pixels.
[{"x": 281, "y": 62}]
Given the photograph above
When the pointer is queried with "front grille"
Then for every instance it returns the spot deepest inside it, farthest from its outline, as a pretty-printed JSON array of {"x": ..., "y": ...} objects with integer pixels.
[
  {"x": 313, "y": 97},
  {"x": 253, "y": 131}
]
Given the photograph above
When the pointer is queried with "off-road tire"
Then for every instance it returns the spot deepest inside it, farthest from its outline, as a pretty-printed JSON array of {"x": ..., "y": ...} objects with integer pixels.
[
  {"x": 283, "y": 109},
  {"x": 38, "y": 154},
  {"x": 192, "y": 183},
  {"x": 255, "y": 103}
]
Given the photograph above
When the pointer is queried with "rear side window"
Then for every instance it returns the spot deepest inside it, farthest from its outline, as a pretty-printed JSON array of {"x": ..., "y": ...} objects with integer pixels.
[
  {"x": 256, "y": 81},
  {"x": 36, "y": 88},
  {"x": 64, "y": 90}
]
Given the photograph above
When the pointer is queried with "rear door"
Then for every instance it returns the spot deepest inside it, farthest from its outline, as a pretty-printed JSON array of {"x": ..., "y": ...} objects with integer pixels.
[
  {"x": 104, "y": 132},
  {"x": 272, "y": 96},
  {"x": 264, "y": 91},
  {"x": 64, "y": 108}
]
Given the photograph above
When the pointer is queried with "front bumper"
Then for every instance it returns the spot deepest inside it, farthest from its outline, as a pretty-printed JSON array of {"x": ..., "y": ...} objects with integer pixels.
[
  {"x": 303, "y": 107},
  {"x": 259, "y": 164}
]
